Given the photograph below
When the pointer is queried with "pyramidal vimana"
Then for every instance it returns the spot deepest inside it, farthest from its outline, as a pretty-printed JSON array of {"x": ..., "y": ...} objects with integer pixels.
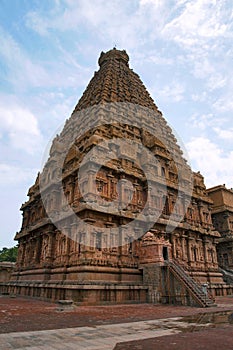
[{"x": 136, "y": 225}]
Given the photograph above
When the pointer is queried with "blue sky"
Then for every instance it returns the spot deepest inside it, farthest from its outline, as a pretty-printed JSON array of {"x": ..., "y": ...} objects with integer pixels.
[{"x": 181, "y": 49}]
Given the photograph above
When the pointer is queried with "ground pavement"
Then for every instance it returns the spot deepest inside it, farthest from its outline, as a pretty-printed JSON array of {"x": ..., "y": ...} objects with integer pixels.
[{"x": 33, "y": 324}]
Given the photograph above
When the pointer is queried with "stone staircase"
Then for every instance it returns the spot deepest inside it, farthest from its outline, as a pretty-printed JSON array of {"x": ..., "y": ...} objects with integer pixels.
[{"x": 194, "y": 288}]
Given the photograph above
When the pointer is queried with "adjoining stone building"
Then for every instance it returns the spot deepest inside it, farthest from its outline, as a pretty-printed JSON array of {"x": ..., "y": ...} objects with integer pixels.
[
  {"x": 222, "y": 216},
  {"x": 136, "y": 224},
  {"x": 6, "y": 269}
]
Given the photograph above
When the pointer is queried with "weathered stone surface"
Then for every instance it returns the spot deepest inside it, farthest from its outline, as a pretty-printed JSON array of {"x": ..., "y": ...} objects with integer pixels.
[
  {"x": 222, "y": 216},
  {"x": 82, "y": 262},
  {"x": 6, "y": 269}
]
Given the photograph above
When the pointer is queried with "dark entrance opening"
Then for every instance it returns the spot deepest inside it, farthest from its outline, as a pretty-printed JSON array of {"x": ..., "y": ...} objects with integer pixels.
[
  {"x": 165, "y": 253},
  {"x": 98, "y": 243}
]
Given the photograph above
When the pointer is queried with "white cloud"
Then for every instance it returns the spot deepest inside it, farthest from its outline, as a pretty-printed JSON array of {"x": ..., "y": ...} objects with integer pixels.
[
  {"x": 212, "y": 161},
  {"x": 198, "y": 20},
  {"x": 200, "y": 97},
  {"x": 224, "y": 134},
  {"x": 152, "y": 56},
  {"x": 188, "y": 23},
  {"x": 19, "y": 126},
  {"x": 203, "y": 68},
  {"x": 206, "y": 121},
  {"x": 74, "y": 14},
  {"x": 174, "y": 92},
  {"x": 207, "y": 69},
  {"x": 156, "y": 3},
  {"x": 123, "y": 23},
  {"x": 21, "y": 70},
  {"x": 224, "y": 104},
  {"x": 37, "y": 23},
  {"x": 13, "y": 175},
  {"x": 202, "y": 29},
  {"x": 25, "y": 73},
  {"x": 216, "y": 81}
]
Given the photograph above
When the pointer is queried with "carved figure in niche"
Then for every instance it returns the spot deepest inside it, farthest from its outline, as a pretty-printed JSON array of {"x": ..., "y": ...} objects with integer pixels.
[
  {"x": 98, "y": 241},
  {"x": 20, "y": 254},
  {"x": 211, "y": 255},
  {"x": 195, "y": 253},
  {"x": 33, "y": 249},
  {"x": 62, "y": 245},
  {"x": 27, "y": 254},
  {"x": 178, "y": 253},
  {"x": 44, "y": 249},
  {"x": 73, "y": 245},
  {"x": 178, "y": 249}
]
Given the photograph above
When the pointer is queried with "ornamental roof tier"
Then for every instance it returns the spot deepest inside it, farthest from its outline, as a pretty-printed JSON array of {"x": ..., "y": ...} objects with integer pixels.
[{"x": 115, "y": 82}]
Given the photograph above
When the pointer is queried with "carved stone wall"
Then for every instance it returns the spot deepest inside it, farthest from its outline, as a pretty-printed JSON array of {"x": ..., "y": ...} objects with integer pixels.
[
  {"x": 222, "y": 215},
  {"x": 6, "y": 268},
  {"x": 91, "y": 255}
]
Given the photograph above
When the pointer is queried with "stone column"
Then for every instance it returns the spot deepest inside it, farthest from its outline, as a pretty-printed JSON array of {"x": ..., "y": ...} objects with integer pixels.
[
  {"x": 21, "y": 254},
  {"x": 205, "y": 243},
  {"x": 67, "y": 231},
  {"x": 189, "y": 254},
  {"x": 91, "y": 185},
  {"x": 49, "y": 251},
  {"x": 37, "y": 251},
  {"x": 114, "y": 193},
  {"x": 200, "y": 208},
  {"x": 173, "y": 241},
  {"x": 76, "y": 192},
  {"x": 184, "y": 257},
  {"x": 122, "y": 199},
  {"x": 109, "y": 178}
]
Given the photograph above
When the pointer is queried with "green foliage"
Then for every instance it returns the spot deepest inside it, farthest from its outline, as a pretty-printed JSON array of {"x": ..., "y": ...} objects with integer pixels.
[{"x": 8, "y": 254}]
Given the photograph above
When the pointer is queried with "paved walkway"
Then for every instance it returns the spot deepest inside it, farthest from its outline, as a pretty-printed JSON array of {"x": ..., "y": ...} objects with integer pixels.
[
  {"x": 32, "y": 324},
  {"x": 103, "y": 337}
]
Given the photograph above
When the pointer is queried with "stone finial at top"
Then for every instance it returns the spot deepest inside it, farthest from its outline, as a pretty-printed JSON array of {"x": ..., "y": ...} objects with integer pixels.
[{"x": 113, "y": 54}]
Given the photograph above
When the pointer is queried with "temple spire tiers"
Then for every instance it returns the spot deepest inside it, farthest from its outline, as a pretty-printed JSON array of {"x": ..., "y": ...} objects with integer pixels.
[
  {"x": 115, "y": 82},
  {"x": 114, "y": 202}
]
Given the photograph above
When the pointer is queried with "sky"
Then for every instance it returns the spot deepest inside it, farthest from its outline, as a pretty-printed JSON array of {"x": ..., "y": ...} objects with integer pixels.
[{"x": 49, "y": 50}]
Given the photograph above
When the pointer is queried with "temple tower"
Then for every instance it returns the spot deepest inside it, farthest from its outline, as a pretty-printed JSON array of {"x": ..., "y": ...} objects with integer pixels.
[{"x": 115, "y": 202}]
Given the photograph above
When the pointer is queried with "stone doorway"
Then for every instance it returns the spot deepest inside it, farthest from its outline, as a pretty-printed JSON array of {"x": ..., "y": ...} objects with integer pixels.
[{"x": 165, "y": 253}]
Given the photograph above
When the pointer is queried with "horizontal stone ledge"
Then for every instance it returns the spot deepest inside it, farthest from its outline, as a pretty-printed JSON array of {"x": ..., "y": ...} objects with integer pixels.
[
  {"x": 80, "y": 286},
  {"x": 102, "y": 269},
  {"x": 35, "y": 271},
  {"x": 78, "y": 269}
]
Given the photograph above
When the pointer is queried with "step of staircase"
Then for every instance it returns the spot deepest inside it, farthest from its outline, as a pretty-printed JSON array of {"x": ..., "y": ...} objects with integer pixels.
[{"x": 194, "y": 288}]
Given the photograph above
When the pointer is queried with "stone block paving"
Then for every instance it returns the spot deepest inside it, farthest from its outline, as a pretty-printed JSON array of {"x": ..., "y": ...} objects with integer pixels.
[
  {"x": 30, "y": 324},
  {"x": 103, "y": 337},
  {"x": 92, "y": 338}
]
